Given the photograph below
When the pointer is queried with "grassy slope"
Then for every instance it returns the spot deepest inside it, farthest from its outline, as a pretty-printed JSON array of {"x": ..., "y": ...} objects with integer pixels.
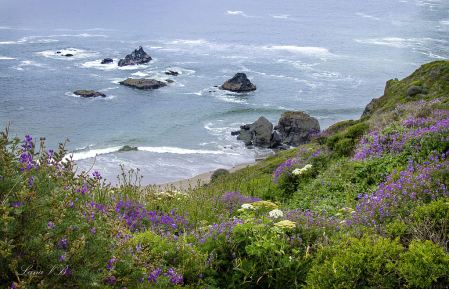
[{"x": 202, "y": 235}]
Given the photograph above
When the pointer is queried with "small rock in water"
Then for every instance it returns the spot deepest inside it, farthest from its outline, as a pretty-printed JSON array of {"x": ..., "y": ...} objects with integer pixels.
[
  {"x": 143, "y": 83},
  {"x": 107, "y": 60},
  {"x": 89, "y": 93},
  {"x": 69, "y": 55},
  {"x": 239, "y": 83},
  {"x": 171, "y": 72}
]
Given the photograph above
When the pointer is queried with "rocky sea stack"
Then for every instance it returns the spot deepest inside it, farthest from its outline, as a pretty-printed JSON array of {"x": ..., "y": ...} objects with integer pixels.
[
  {"x": 239, "y": 83},
  {"x": 143, "y": 83},
  {"x": 89, "y": 93},
  {"x": 138, "y": 56},
  {"x": 293, "y": 130}
]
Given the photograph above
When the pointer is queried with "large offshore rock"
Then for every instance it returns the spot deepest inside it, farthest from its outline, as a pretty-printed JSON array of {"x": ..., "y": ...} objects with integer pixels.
[
  {"x": 138, "y": 56},
  {"x": 143, "y": 83},
  {"x": 239, "y": 83},
  {"x": 294, "y": 128}
]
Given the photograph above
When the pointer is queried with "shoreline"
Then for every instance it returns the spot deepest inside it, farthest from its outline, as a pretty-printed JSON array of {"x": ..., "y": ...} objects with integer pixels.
[{"x": 194, "y": 181}]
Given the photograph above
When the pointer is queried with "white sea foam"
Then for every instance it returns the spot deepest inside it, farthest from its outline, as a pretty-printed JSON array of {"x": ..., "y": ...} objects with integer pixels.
[
  {"x": 6, "y": 58},
  {"x": 240, "y": 13},
  {"x": 25, "y": 65},
  {"x": 140, "y": 74},
  {"x": 280, "y": 16},
  {"x": 79, "y": 35},
  {"x": 311, "y": 51},
  {"x": 82, "y": 155},
  {"x": 77, "y": 53},
  {"x": 96, "y": 64},
  {"x": 44, "y": 41},
  {"x": 8, "y": 42},
  {"x": 367, "y": 16},
  {"x": 175, "y": 150}
]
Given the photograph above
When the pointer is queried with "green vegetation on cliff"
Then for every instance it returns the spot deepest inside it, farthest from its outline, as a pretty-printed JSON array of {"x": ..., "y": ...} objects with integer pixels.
[{"x": 364, "y": 205}]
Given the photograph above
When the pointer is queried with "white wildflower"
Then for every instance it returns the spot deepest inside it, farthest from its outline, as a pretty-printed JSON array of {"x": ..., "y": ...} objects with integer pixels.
[
  {"x": 276, "y": 213},
  {"x": 247, "y": 206}
]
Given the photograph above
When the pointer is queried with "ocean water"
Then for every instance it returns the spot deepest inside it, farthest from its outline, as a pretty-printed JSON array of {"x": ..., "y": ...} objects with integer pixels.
[{"x": 326, "y": 58}]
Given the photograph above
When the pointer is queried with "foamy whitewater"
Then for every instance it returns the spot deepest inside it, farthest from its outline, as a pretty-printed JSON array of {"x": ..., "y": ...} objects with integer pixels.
[{"x": 326, "y": 58}]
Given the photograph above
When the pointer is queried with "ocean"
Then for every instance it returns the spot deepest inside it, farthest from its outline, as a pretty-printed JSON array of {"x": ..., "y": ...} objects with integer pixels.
[{"x": 326, "y": 58}]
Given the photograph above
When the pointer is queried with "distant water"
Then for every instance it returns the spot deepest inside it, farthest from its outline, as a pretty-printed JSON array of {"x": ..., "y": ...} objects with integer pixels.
[{"x": 326, "y": 58}]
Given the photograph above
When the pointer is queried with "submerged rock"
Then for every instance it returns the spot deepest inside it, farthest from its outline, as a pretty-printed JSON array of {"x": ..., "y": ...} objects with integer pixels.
[
  {"x": 89, "y": 93},
  {"x": 171, "y": 72},
  {"x": 143, "y": 83},
  {"x": 239, "y": 83},
  {"x": 138, "y": 56},
  {"x": 127, "y": 148}
]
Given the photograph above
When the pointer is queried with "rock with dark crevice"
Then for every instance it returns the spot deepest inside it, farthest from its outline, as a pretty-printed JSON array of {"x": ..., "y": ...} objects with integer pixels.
[
  {"x": 138, "y": 56},
  {"x": 294, "y": 128}
]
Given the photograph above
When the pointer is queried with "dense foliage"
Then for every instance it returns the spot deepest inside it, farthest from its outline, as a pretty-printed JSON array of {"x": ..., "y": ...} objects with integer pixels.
[{"x": 364, "y": 205}]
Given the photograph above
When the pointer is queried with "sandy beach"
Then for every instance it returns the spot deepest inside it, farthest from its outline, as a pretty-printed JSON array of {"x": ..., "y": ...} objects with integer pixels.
[{"x": 199, "y": 179}]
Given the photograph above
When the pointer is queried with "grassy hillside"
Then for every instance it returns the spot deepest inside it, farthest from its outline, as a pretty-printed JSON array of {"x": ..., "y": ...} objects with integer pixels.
[{"x": 364, "y": 205}]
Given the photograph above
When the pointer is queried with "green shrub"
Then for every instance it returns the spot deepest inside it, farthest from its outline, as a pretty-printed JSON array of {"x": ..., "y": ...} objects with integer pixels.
[
  {"x": 356, "y": 131},
  {"x": 344, "y": 146},
  {"x": 354, "y": 263},
  {"x": 436, "y": 212},
  {"x": 424, "y": 264},
  {"x": 219, "y": 173},
  {"x": 333, "y": 140}
]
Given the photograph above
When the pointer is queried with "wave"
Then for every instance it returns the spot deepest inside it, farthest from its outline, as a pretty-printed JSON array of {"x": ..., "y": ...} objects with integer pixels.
[
  {"x": 79, "y": 35},
  {"x": 307, "y": 50},
  {"x": 9, "y": 42},
  {"x": 367, "y": 16},
  {"x": 240, "y": 13},
  {"x": 87, "y": 154},
  {"x": 175, "y": 150},
  {"x": 6, "y": 58},
  {"x": 280, "y": 16}
]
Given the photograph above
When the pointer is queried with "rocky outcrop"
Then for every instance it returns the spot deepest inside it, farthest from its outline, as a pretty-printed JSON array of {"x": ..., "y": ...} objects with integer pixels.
[
  {"x": 138, "y": 56},
  {"x": 239, "y": 83},
  {"x": 369, "y": 107},
  {"x": 294, "y": 128},
  {"x": 143, "y": 83},
  {"x": 107, "y": 60},
  {"x": 89, "y": 93},
  {"x": 257, "y": 134}
]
